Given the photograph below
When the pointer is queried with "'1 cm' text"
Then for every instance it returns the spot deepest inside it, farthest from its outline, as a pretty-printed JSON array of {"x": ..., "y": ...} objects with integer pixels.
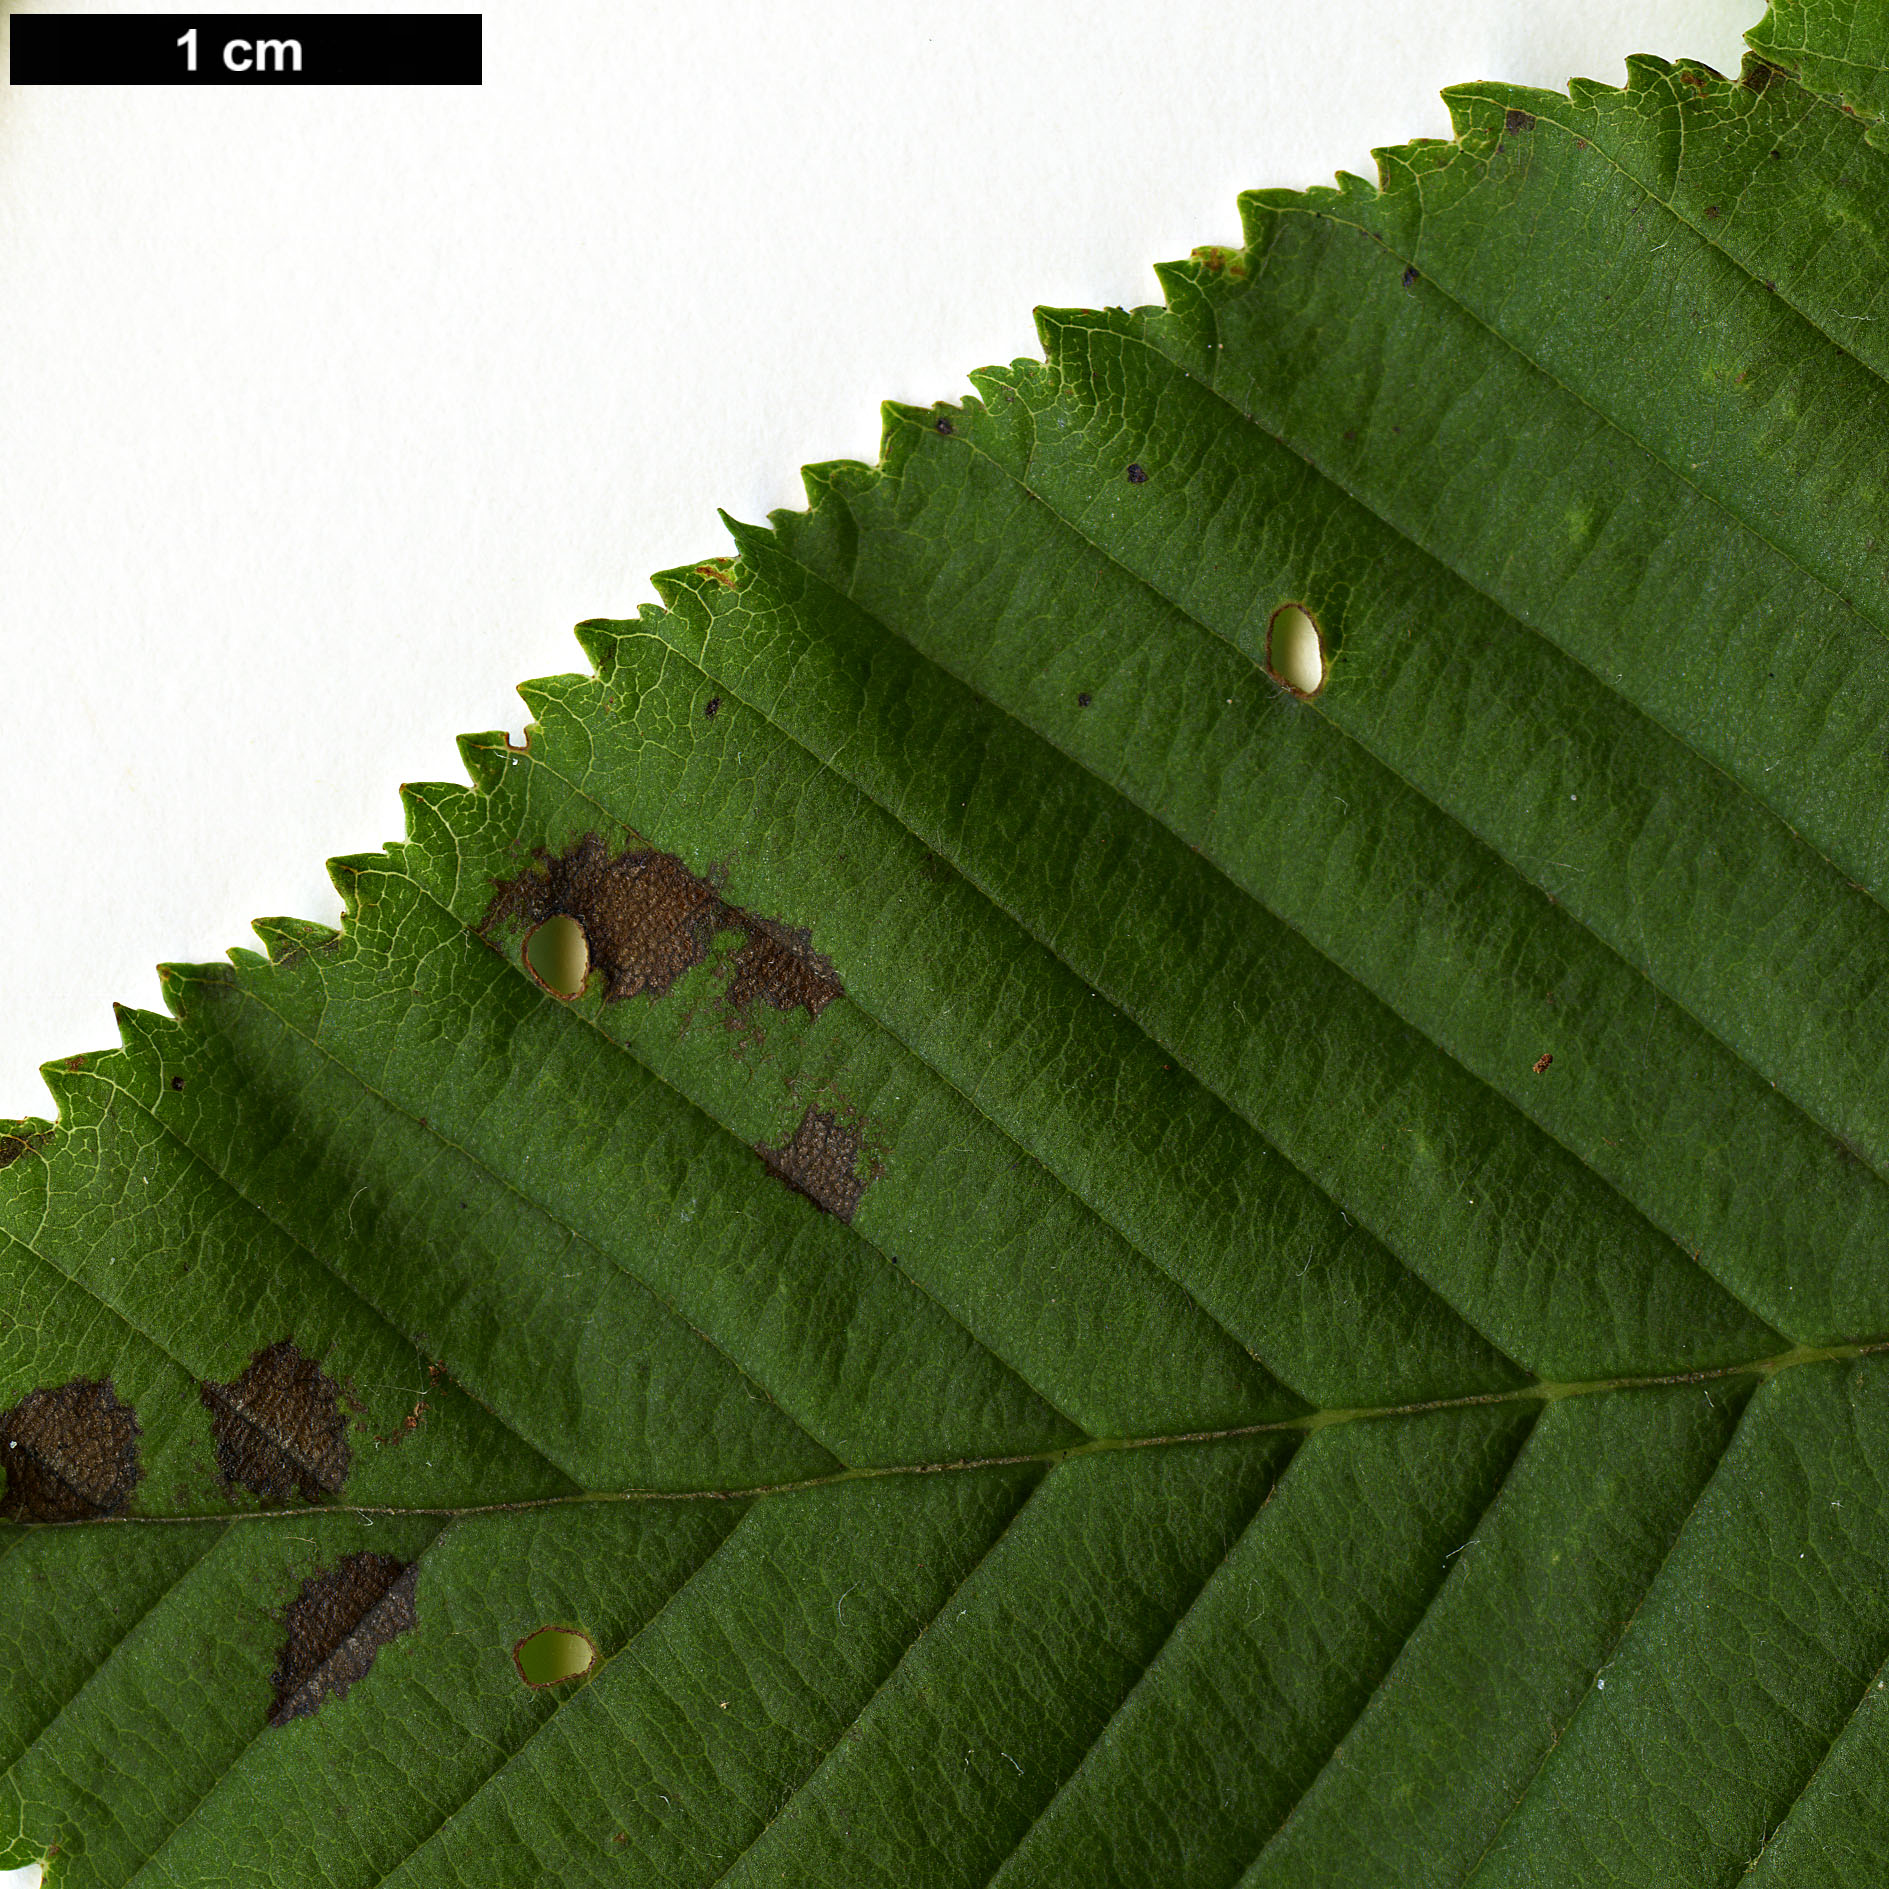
[{"x": 246, "y": 55}]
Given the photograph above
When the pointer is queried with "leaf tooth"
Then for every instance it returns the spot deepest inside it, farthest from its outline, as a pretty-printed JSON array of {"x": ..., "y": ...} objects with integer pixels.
[
  {"x": 483, "y": 757},
  {"x": 345, "y": 872},
  {"x": 598, "y": 638},
  {"x": 1646, "y": 72},
  {"x": 1191, "y": 332}
]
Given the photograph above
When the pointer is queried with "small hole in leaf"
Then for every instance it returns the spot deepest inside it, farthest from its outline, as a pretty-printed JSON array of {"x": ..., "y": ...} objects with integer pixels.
[
  {"x": 1295, "y": 652},
  {"x": 552, "y": 1655},
  {"x": 559, "y": 955}
]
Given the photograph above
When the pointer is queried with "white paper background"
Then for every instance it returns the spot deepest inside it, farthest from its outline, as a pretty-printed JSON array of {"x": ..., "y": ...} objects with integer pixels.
[{"x": 326, "y": 413}]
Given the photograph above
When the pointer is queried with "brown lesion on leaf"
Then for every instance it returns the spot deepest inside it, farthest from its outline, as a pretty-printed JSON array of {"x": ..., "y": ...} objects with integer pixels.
[
  {"x": 14, "y": 1144},
  {"x": 71, "y": 1453},
  {"x": 647, "y": 919},
  {"x": 1216, "y": 259},
  {"x": 336, "y": 1625},
  {"x": 779, "y": 966},
  {"x": 278, "y": 1427},
  {"x": 407, "y": 1425},
  {"x": 821, "y": 1160}
]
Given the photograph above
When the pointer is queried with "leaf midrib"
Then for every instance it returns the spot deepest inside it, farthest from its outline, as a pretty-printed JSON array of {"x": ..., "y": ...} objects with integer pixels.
[{"x": 1544, "y": 1391}]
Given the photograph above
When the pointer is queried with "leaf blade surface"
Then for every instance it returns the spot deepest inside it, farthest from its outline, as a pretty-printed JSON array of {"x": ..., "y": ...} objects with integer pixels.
[{"x": 1118, "y": 1272}]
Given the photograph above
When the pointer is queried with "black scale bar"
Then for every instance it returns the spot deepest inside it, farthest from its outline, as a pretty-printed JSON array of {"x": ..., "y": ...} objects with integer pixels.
[{"x": 244, "y": 48}]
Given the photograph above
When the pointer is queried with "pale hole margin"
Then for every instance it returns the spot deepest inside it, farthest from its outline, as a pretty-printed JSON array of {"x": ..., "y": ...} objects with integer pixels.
[
  {"x": 557, "y": 954},
  {"x": 552, "y": 1655},
  {"x": 1295, "y": 651}
]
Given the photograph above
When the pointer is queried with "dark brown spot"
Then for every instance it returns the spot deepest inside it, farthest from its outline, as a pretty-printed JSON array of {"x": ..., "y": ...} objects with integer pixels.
[
  {"x": 943, "y": 425},
  {"x": 1084, "y": 699},
  {"x": 278, "y": 1427},
  {"x": 717, "y": 568},
  {"x": 1410, "y": 275},
  {"x": 177, "y": 1083},
  {"x": 714, "y": 707},
  {"x": 647, "y": 919},
  {"x": 13, "y": 1146},
  {"x": 1711, "y": 209},
  {"x": 1757, "y": 76},
  {"x": 71, "y": 1453},
  {"x": 1514, "y": 120},
  {"x": 1542, "y": 1061},
  {"x": 821, "y": 1161},
  {"x": 779, "y": 966},
  {"x": 342, "y": 1617},
  {"x": 1137, "y": 476}
]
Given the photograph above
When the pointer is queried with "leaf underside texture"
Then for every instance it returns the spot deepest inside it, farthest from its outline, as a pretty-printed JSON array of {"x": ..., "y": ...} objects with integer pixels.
[{"x": 1101, "y": 1270}]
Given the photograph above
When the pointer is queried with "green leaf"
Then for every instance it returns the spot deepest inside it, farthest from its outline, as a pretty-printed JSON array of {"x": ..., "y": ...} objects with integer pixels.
[{"x": 974, "y": 1228}]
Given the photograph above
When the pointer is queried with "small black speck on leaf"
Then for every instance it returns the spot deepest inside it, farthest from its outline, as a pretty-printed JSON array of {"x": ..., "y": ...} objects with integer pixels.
[
  {"x": 944, "y": 425},
  {"x": 713, "y": 708},
  {"x": 177, "y": 1082},
  {"x": 1083, "y": 700},
  {"x": 1410, "y": 275},
  {"x": 1136, "y": 476}
]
